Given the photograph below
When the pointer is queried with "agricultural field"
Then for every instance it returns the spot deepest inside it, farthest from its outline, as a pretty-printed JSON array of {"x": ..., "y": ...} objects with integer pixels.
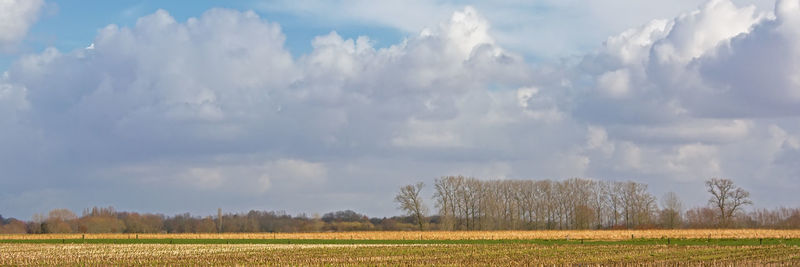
[
  {"x": 607, "y": 235},
  {"x": 692, "y": 247}
]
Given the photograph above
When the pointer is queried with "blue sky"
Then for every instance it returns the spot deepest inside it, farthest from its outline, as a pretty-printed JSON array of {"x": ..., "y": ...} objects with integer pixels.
[{"x": 314, "y": 106}]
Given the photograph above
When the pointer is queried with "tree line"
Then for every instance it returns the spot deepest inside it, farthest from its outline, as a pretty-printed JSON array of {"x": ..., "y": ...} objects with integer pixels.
[
  {"x": 108, "y": 220},
  {"x": 461, "y": 203},
  {"x": 467, "y": 203}
]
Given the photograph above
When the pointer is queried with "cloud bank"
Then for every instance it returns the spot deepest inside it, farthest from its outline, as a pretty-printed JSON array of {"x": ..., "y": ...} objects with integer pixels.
[{"x": 214, "y": 111}]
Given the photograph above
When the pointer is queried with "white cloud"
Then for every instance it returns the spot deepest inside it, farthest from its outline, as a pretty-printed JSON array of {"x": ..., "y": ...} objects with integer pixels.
[
  {"x": 616, "y": 83},
  {"x": 298, "y": 172},
  {"x": 13, "y": 99},
  {"x": 424, "y": 134},
  {"x": 757, "y": 71},
  {"x": 223, "y": 84},
  {"x": 235, "y": 175},
  {"x": 693, "y": 34},
  {"x": 652, "y": 70},
  {"x": 720, "y": 60},
  {"x": 541, "y": 29},
  {"x": 687, "y": 162},
  {"x": 689, "y": 130},
  {"x": 16, "y": 17},
  {"x": 217, "y": 103},
  {"x": 597, "y": 138},
  {"x": 694, "y": 162}
]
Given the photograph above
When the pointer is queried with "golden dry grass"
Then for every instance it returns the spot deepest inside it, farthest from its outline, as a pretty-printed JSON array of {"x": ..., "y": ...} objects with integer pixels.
[{"x": 444, "y": 235}]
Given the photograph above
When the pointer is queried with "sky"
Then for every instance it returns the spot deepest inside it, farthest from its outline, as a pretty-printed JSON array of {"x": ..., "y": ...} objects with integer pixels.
[{"x": 317, "y": 106}]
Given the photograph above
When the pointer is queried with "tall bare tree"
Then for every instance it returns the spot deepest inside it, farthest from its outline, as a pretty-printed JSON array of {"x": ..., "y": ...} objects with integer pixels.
[
  {"x": 671, "y": 210},
  {"x": 410, "y": 201},
  {"x": 727, "y": 198},
  {"x": 638, "y": 205},
  {"x": 467, "y": 203}
]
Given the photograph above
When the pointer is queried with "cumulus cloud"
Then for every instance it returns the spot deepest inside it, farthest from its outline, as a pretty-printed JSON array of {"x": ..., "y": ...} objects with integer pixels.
[
  {"x": 719, "y": 61},
  {"x": 542, "y": 29},
  {"x": 651, "y": 70},
  {"x": 758, "y": 71},
  {"x": 217, "y": 106},
  {"x": 16, "y": 17},
  {"x": 223, "y": 84},
  {"x": 679, "y": 162}
]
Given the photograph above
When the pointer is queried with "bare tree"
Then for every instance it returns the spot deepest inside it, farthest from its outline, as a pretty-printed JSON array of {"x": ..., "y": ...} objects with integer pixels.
[
  {"x": 410, "y": 201},
  {"x": 727, "y": 198},
  {"x": 700, "y": 217},
  {"x": 638, "y": 205},
  {"x": 58, "y": 221},
  {"x": 445, "y": 202},
  {"x": 671, "y": 210},
  {"x": 467, "y": 203}
]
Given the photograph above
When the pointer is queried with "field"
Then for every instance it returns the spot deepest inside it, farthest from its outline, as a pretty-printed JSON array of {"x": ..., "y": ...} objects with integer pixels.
[
  {"x": 609, "y": 235},
  {"x": 659, "y": 247}
]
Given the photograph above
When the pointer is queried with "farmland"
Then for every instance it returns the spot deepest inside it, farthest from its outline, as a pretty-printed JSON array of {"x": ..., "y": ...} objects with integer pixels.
[
  {"x": 607, "y": 235},
  {"x": 723, "y": 247},
  {"x": 476, "y": 254}
]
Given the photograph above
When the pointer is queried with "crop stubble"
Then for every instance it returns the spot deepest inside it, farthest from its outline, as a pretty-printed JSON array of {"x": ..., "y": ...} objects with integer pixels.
[
  {"x": 502, "y": 254},
  {"x": 409, "y": 254},
  {"x": 609, "y": 235}
]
